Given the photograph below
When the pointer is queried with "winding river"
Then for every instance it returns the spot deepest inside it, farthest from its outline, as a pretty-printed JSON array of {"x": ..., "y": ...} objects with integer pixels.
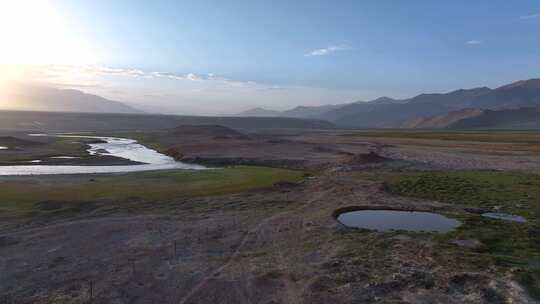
[{"x": 113, "y": 146}]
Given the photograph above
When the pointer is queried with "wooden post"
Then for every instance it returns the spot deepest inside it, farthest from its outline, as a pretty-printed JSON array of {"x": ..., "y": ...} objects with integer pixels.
[{"x": 91, "y": 291}]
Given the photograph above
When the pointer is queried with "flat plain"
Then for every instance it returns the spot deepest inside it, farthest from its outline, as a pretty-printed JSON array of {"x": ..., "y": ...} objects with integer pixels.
[{"x": 260, "y": 226}]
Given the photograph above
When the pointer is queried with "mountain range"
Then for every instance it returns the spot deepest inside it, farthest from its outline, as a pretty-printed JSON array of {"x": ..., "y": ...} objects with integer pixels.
[
  {"x": 436, "y": 110},
  {"x": 259, "y": 112},
  {"x": 31, "y": 97},
  {"x": 515, "y": 105}
]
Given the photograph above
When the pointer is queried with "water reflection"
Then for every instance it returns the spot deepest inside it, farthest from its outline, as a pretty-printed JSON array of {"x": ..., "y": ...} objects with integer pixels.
[
  {"x": 113, "y": 146},
  {"x": 388, "y": 220}
]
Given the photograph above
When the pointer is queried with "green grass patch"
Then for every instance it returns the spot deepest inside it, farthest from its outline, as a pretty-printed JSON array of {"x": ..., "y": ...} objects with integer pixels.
[
  {"x": 507, "y": 244},
  {"x": 513, "y": 192},
  {"x": 497, "y": 136},
  {"x": 56, "y": 146},
  {"x": 24, "y": 194},
  {"x": 531, "y": 280},
  {"x": 491, "y": 142}
]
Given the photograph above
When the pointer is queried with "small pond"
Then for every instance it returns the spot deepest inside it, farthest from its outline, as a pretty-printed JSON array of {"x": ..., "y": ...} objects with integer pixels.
[
  {"x": 388, "y": 220},
  {"x": 504, "y": 216}
]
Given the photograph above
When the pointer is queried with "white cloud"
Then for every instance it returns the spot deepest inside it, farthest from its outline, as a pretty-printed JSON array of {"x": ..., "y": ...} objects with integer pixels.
[
  {"x": 326, "y": 51},
  {"x": 191, "y": 77},
  {"x": 535, "y": 16},
  {"x": 274, "y": 88},
  {"x": 101, "y": 70},
  {"x": 60, "y": 71},
  {"x": 180, "y": 93},
  {"x": 48, "y": 72},
  {"x": 102, "y": 76},
  {"x": 473, "y": 42}
]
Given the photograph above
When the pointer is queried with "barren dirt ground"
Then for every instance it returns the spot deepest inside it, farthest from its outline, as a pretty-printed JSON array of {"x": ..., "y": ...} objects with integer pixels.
[{"x": 274, "y": 245}]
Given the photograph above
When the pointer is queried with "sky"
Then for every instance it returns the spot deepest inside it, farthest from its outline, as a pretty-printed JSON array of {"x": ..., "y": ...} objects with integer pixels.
[{"x": 222, "y": 57}]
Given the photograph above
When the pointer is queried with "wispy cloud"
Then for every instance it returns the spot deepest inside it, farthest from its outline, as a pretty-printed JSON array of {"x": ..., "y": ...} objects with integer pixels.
[
  {"x": 473, "y": 42},
  {"x": 329, "y": 50},
  {"x": 101, "y": 70},
  {"x": 103, "y": 76},
  {"x": 274, "y": 88},
  {"x": 71, "y": 72},
  {"x": 188, "y": 76},
  {"x": 60, "y": 71},
  {"x": 534, "y": 16}
]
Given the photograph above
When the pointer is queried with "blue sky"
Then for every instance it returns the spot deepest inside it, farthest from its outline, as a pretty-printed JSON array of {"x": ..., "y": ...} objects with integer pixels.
[{"x": 232, "y": 55}]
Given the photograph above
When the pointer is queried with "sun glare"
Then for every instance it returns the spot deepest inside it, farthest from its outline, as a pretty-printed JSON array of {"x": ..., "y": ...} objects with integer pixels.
[{"x": 35, "y": 32}]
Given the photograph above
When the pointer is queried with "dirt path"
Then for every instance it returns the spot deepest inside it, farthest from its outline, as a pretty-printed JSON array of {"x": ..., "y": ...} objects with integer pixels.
[
  {"x": 289, "y": 289},
  {"x": 67, "y": 223}
]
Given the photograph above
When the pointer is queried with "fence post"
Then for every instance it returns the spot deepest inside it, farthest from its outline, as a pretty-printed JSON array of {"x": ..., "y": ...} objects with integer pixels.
[{"x": 91, "y": 291}]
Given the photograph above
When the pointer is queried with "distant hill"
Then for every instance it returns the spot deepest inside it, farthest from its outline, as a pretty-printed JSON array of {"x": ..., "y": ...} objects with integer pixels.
[
  {"x": 435, "y": 109},
  {"x": 440, "y": 121},
  {"x": 208, "y": 130},
  {"x": 258, "y": 112},
  {"x": 335, "y": 115},
  {"x": 74, "y": 122},
  {"x": 521, "y": 118},
  {"x": 29, "y": 97},
  {"x": 389, "y": 115},
  {"x": 298, "y": 112},
  {"x": 510, "y": 106},
  {"x": 518, "y": 94},
  {"x": 256, "y": 123},
  {"x": 380, "y": 101},
  {"x": 422, "y": 111},
  {"x": 309, "y": 111}
]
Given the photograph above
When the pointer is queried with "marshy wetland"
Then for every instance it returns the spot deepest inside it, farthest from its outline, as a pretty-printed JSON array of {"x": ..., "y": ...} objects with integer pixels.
[
  {"x": 141, "y": 157},
  {"x": 262, "y": 227}
]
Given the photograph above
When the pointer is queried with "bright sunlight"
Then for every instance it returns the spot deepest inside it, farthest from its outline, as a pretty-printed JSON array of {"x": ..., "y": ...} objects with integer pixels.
[{"x": 35, "y": 32}]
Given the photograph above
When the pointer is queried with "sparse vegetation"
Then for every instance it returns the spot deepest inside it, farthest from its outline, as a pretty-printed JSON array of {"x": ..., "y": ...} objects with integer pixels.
[
  {"x": 27, "y": 150},
  {"x": 175, "y": 229},
  {"x": 22, "y": 195},
  {"x": 474, "y": 141},
  {"x": 499, "y": 136},
  {"x": 507, "y": 244}
]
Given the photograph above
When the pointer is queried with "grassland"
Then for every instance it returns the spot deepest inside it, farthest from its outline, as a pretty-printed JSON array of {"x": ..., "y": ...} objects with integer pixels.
[
  {"x": 507, "y": 245},
  {"x": 480, "y": 142},
  {"x": 499, "y": 136},
  {"x": 286, "y": 232},
  {"x": 21, "y": 196},
  {"x": 26, "y": 150}
]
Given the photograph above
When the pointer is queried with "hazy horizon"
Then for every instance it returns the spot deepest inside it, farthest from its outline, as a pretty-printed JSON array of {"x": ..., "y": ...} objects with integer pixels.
[{"x": 223, "y": 58}]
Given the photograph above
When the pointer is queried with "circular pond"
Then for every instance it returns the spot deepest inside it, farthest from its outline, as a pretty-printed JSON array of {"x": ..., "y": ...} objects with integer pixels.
[{"x": 388, "y": 220}]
